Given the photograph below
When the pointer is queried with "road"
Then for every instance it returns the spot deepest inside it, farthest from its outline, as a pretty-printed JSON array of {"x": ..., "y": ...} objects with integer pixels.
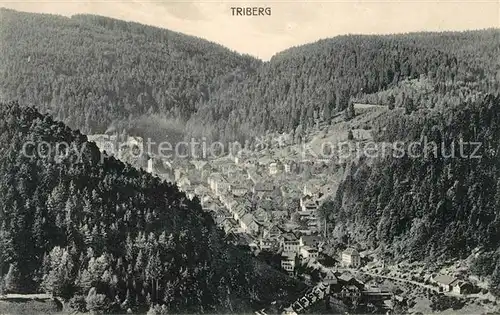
[
  {"x": 40, "y": 296},
  {"x": 423, "y": 285}
]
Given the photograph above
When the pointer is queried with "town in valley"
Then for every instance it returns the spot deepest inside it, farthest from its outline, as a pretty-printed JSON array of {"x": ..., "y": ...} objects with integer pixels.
[{"x": 268, "y": 198}]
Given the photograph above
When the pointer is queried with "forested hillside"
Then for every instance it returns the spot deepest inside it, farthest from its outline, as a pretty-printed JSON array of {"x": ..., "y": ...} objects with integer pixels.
[
  {"x": 110, "y": 237},
  {"x": 316, "y": 80},
  {"x": 433, "y": 206},
  {"x": 94, "y": 72}
]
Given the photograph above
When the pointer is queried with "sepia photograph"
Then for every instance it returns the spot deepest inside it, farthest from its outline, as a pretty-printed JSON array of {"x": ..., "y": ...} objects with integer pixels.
[{"x": 264, "y": 157}]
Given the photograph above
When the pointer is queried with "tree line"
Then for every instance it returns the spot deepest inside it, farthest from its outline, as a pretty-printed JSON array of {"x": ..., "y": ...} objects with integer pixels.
[
  {"x": 96, "y": 73},
  {"x": 437, "y": 205},
  {"x": 107, "y": 237}
]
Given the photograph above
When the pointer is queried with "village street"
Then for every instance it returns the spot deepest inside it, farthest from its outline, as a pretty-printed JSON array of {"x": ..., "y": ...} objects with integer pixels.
[{"x": 400, "y": 280}]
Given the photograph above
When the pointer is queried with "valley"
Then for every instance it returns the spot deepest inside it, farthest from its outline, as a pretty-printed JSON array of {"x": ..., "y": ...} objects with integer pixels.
[{"x": 325, "y": 180}]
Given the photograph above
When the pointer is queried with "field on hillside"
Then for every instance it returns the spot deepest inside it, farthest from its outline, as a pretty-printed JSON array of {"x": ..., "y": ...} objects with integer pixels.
[{"x": 29, "y": 307}]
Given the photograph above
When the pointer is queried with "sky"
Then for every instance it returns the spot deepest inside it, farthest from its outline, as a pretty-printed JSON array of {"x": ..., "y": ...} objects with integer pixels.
[{"x": 291, "y": 22}]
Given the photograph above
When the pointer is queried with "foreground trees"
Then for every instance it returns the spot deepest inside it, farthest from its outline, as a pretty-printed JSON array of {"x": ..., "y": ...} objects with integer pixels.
[{"x": 107, "y": 236}]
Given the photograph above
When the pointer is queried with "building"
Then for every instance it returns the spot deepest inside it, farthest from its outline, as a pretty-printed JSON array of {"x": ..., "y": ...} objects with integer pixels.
[
  {"x": 330, "y": 277},
  {"x": 308, "y": 252},
  {"x": 279, "y": 215},
  {"x": 313, "y": 241},
  {"x": 228, "y": 202},
  {"x": 304, "y": 301},
  {"x": 321, "y": 289},
  {"x": 222, "y": 187},
  {"x": 312, "y": 188},
  {"x": 289, "y": 311},
  {"x": 263, "y": 187},
  {"x": 178, "y": 173},
  {"x": 266, "y": 243},
  {"x": 291, "y": 243},
  {"x": 445, "y": 282},
  {"x": 273, "y": 232},
  {"x": 287, "y": 167},
  {"x": 461, "y": 287},
  {"x": 248, "y": 223},
  {"x": 134, "y": 141},
  {"x": 238, "y": 212},
  {"x": 308, "y": 215},
  {"x": 346, "y": 280},
  {"x": 211, "y": 181},
  {"x": 189, "y": 191},
  {"x": 183, "y": 182},
  {"x": 262, "y": 216},
  {"x": 200, "y": 165},
  {"x": 308, "y": 203},
  {"x": 218, "y": 217},
  {"x": 273, "y": 168},
  {"x": 350, "y": 291},
  {"x": 305, "y": 231},
  {"x": 238, "y": 190},
  {"x": 150, "y": 166},
  {"x": 218, "y": 184},
  {"x": 288, "y": 262},
  {"x": 229, "y": 224},
  {"x": 253, "y": 176},
  {"x": 234, "y": 157},
  {"x": 304, "y": 200},
  {"x": 351, "y": 258}
]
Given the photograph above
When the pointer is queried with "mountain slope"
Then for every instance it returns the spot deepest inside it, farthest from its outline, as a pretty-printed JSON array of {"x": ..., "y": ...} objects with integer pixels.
[
  {"x": 313, "y": 81},
  {"x": 82, "y": 226},
  {"x": 426, "y": 205},
  {"x": 94, "y": 72}
]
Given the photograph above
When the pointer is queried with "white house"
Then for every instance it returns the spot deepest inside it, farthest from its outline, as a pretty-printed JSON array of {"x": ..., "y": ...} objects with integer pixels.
[
  {"x": 445, "y": 282},
  {"x": 238, "y": 190},
  {"x": 248, "y": 223},
  {"x": 461, "y": 287},
  {"x": 308, "y": 252},
  {"x": 288, "y": 262},
  {"x": 273, "y": 168},
  {"x": 330, "y": 277},
  {"x": 291, "y": 243},
  {"x": 351, "y": 258}
]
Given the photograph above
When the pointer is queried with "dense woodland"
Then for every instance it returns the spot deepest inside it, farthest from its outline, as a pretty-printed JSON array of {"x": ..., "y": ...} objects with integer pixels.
[
  {"x": 108, "y": 236},
  {"x": 315, "y": 81},
  {"x": 94, "y": 72},
  {"x": 431, "y": 207}
]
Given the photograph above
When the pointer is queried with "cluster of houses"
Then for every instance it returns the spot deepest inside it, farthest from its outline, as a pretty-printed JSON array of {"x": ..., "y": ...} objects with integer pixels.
[
  {"x": 240, "y": 197},
  {"x": 308, "y": 247},
  {"x": 231, "y": 191},
  {"x": 117, "y": 144},
  {"x": 274, "y": 165},
  {"x": 341, "y": 286},
  {"x": 317, "y": 293},
  {"x": 234, "y": 195},
  {"x": 448, "y": 283}
]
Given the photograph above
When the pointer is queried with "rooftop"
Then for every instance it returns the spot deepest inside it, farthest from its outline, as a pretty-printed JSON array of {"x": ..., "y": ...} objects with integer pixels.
[
  {"x": 288, "y": 255},
  {"x": 311, "y": 239},
  {"x": 445, "y": 279},
  {"x": 248, "y": 218},
  {"x": 290, "y": 237},
  {"x": 351, "y": 251},
  {"x": 346, "y": 277}
]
